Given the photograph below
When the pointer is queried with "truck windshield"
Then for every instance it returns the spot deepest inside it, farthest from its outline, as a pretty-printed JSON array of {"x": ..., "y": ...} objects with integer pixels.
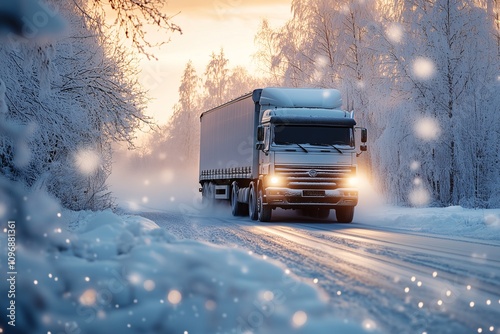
[{"x": 314, "y": 135}]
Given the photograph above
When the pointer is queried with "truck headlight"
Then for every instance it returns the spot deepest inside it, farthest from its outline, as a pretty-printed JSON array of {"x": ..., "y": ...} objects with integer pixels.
[
  {"x": 274, "y": 180},
  {"x": 353, "y": 181}
]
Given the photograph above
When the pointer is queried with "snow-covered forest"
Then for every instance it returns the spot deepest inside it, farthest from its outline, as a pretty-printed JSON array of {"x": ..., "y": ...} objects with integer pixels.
[
  {"x": 422, "y": 76},
  {"x": 67, "y": 96}
]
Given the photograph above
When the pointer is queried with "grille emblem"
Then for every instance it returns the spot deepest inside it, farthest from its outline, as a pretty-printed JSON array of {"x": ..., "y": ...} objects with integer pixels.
[{"x": 313, "y": 173}]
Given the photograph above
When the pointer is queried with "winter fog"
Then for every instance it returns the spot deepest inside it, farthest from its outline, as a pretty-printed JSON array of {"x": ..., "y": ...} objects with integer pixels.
[{"x": 155, "y": 185}]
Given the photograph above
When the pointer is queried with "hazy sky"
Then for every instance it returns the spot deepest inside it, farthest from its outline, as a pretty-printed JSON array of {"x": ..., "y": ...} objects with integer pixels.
[
  {"x": 207, "y": 27},
  {"x": 215, "y": 7}
]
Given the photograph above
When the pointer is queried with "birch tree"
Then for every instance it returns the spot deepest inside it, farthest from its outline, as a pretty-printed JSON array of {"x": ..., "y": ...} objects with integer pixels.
[
  {"x": 216, "y": 76},
  {"x": 267, "y": 55},
  {"x": 443, "y": 70},
  {"x": 183, "y": 129}
]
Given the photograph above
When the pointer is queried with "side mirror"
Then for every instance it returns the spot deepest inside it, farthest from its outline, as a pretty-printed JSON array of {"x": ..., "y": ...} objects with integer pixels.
[
  {"x": 260, "y": 133},
  {"x": 364, "y": 136}
]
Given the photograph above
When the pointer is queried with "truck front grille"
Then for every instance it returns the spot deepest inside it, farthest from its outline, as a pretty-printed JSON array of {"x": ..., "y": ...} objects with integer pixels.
[{"x": 314, "y": 177}]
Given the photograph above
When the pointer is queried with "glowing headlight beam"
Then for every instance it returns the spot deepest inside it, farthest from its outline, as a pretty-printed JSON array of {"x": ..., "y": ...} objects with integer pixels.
[
  {"x": 274, "y": 180},
  {"x": 353, "y": 181}
]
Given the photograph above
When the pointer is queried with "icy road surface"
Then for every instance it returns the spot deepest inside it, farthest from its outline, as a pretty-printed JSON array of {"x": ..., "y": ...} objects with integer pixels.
[{"x": 390, "y": 280}]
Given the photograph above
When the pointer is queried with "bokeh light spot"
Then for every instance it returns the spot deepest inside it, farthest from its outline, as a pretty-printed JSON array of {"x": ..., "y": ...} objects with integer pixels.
[
  {"x": 87, "y": 161},
  {"x": 427, "y": 128},
  {"x": 149, "y": 285},
  {"x": 394, "y": 32},
  {"x": 299, "y": 319},
  {"x": 423, "y": 68},
  {"x": 174, "y": 297},
  {"x": 419, "y": 197},
  {"x": 88, "y": 297}
]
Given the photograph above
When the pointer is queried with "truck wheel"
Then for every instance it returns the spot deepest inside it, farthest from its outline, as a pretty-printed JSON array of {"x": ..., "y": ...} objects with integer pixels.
[
  {"x": 252, "y": 203},
  {"x": 344, "y": 214},
  {"x": 265, "y": 212},
  {"x": 237, "y": 208}
]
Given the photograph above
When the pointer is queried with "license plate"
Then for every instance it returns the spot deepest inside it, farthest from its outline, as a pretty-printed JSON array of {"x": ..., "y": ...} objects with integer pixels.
[{"x": 313, "y": 193}]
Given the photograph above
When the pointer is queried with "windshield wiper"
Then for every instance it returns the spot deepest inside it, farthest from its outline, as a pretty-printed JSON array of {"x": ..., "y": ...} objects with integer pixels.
[
  {"x": 331, "y": 145},
  {"x": 288, "y": 143}
]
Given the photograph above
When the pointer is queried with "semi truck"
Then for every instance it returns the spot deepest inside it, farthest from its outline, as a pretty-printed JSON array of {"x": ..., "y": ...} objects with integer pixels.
[{"x": 289, "y": 148}]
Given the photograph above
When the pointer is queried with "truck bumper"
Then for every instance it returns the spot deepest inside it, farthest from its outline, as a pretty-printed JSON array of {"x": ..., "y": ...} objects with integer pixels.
[{"x": 296, "y": 198}]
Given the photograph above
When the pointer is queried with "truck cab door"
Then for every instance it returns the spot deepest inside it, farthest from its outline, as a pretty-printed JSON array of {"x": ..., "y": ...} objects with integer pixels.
[{"x": 264, "y": 156}]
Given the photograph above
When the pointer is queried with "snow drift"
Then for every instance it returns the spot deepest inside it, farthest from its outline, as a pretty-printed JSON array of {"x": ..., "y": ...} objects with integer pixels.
[{"x": 99, "y": 273}]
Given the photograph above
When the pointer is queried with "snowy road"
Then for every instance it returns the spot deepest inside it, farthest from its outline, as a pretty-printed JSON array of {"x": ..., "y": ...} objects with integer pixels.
[{"x": 392, "y": 280}]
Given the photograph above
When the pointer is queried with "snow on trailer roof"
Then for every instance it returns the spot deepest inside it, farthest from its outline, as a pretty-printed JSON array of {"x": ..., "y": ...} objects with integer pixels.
[
  {"x": 277, "y": 97},
  {"x": 308, "y": 116},
  {"x": 301, "y": 98}
]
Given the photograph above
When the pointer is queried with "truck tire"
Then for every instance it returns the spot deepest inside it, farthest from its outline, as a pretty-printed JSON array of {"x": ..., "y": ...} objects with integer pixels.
[
  {"x": 265, "y": 212},
  {"x": 252, "y": 203},
  {"x": 344, "y": 214},
  {"x": 237, "y": 208}
]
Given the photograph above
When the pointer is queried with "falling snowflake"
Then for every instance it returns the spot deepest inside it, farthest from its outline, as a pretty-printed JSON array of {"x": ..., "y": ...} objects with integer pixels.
[
  {"x": 88, "y": 297},
  {"x": 174, "y": 297},
  {"x": 266, "y": 295},
  {"x": 210, "y": 305},
  {"x": 149, "y": 285},
  {"x": 415, "y": 165},
  {"x": 419, "y": 197},
  {"x": 87, "y": 161},
  {"x": 134, "y": 278},
  {"x": 299, "y": 319},
  {"x": 321, "y": 61},
  {"x": 427, "y": 128},
  {"x": 394, "y": 32},
  {"x": 369, "y": 324},
  {"x": 167, "y": 176},
  {"x": 423, "y": 68}
]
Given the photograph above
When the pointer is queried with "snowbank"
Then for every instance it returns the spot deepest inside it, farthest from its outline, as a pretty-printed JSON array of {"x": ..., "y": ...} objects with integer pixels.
[
  {"x": 104, "y": 273},
  {"x": 453, "y": 221}
]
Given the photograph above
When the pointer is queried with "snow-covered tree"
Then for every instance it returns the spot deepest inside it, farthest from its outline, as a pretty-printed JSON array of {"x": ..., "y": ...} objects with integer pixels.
[
  {"x": 129, "y": 19},
  {"x": 267, "y": 56},
  {"x": 240, "y": 82},
  {"x": 183, "y": 129},
  {"x": 73, "y": 96},
  {"x": 443, "y": 71},
  {"x": 419, "y": 74},
  {"x": 179, "y": 139},
  {"x": 216, "y": 75}
]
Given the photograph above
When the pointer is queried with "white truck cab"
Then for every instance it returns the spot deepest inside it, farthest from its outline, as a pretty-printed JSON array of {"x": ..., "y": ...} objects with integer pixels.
[{"x": 303, "y": 155}]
